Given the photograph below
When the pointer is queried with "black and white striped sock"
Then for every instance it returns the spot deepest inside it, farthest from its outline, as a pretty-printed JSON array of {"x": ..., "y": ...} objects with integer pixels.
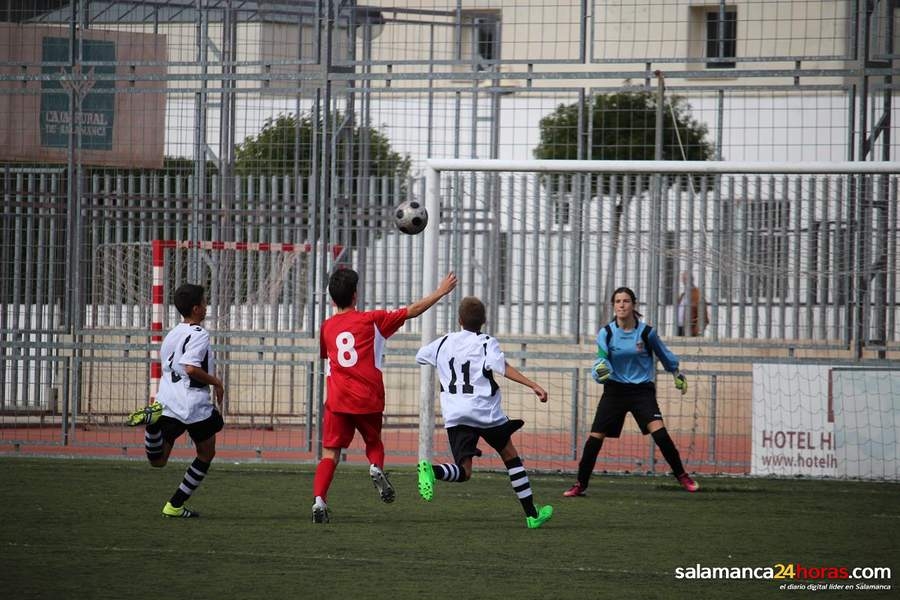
[
  {"x": 153, "y": 444},
  {"x": 193, "y": 477},
  {"x": 447, "y": 472},
  {"x": 518, "y": 477}
]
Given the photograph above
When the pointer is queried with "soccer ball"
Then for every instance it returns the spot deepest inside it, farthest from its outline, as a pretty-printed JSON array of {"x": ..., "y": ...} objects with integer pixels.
[{"x": 411, "y": 217}]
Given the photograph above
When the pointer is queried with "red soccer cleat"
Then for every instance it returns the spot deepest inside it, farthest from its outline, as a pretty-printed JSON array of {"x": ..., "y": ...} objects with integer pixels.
[
  {"x": 575, "y": 490},
  {"x": 687, "y": 483}
]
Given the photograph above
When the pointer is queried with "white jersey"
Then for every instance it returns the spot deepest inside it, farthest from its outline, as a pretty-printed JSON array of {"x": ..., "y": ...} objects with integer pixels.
[
  {"x": 466, "y": 363},
  {"x": 184, "y": 398}
]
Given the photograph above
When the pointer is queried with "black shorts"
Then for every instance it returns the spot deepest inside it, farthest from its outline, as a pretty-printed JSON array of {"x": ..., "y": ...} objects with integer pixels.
[
  {"x": 621, "y": 398},
  {"x": 200, "y": 431},
  {"x": 464, "y": 438}
]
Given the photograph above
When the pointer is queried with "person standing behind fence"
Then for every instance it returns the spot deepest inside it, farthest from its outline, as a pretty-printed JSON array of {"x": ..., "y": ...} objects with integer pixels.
[
  {"x": 352, "y": 344},
  {"x": 625, "y": 364},
  {"x": 693, "y": 314},
  {"x": 183, "y": 402},
  {"x": 466, "y": 362}
]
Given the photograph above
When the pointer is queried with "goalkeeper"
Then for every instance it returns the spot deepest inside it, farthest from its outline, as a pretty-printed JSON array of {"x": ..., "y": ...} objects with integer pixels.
[{"x": 625, "y": 365}]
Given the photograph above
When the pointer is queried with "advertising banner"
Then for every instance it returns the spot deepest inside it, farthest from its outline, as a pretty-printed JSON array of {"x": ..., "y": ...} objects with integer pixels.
[{"x": 793, "y": 421}]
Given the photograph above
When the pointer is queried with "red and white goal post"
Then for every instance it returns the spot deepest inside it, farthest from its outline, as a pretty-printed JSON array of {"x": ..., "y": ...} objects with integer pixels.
[{"x": 280, "y": 283}]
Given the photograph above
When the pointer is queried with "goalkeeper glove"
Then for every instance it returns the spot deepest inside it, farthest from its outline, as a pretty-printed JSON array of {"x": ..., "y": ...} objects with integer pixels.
[
  {"x": 600, "y": 371},
  {"x": 681, "y": 383}
]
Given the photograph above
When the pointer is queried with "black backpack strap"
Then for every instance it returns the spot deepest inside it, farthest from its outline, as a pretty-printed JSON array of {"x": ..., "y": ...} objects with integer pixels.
[{"x": 645, "y": 335}]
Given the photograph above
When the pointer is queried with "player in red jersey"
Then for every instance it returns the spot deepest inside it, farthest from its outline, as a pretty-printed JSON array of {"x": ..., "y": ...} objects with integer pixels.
[{"x": 352, "y": 342}]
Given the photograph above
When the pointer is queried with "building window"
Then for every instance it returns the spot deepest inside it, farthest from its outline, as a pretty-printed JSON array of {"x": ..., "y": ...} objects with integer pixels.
[
  {"x": 829, "y": 249},
  {"x": 670, "y": 274},
  {"x": 503, "y": 278},
  {"x": 755, "y": 250},
  {"x": 562, "y": 208},
  {"x": 560, "y": 191},
  {"x": 725, "y": 47},
  {"x": 767, "y": 249},
  {"x": 480, "y": 40},
  {"x": 486, "y": 38}
]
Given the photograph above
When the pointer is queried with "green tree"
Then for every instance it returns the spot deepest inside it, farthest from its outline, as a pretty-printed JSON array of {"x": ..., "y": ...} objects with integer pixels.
[
  {"x": 623, "y": 127},
  {"x": 272, "y": 151}
]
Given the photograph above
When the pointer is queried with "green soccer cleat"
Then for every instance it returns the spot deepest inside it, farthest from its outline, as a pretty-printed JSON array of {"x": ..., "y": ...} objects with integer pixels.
[
  {"x": 426, "y": 480},
  {"x": 544, "y": 514},
  {"x": 148, "y": 415},
  {"x": 181, "y": 512}
]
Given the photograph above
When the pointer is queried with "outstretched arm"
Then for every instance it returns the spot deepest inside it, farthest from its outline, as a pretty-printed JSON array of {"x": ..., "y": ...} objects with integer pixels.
[
  {"x": 445, "y": 287},
  {"x": 666, "y": 357},
  {"x": 669, "y": 362},
  {"x": 517, "y": 376}
]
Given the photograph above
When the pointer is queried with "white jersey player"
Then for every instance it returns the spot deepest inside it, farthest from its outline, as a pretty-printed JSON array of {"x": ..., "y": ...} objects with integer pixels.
[
  {"x": 183, "y": 402},
  {"x": 467, "y": 361},
  {"x": 183, "y": 397}
]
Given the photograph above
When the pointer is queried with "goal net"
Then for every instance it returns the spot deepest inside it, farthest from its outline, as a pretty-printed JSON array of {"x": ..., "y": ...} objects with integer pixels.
[
  {"x": 790, "y": 260},
  {"x": 252, "y": 286}
]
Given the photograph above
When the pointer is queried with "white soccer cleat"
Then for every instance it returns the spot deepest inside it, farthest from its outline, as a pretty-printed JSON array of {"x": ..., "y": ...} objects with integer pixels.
[
  {"x": 384, "y": 487},
  {"x": 320, "y": 512}
]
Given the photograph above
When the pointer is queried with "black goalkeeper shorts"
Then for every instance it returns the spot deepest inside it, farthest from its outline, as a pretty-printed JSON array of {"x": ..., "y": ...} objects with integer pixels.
[{"x": 618, "y": 399}]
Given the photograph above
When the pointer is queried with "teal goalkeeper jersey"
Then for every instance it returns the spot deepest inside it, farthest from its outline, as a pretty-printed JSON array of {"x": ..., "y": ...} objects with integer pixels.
[{"x": 629, "y": 361}]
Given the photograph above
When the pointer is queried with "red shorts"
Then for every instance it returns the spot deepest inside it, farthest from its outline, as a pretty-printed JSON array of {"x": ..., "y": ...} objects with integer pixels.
[{"x": 338, "y": 428}]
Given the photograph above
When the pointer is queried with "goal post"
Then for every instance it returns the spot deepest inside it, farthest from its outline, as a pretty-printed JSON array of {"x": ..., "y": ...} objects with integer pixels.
[
  {"x": 429, "y": 322},
  {"x": 764, "y": 234}
]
